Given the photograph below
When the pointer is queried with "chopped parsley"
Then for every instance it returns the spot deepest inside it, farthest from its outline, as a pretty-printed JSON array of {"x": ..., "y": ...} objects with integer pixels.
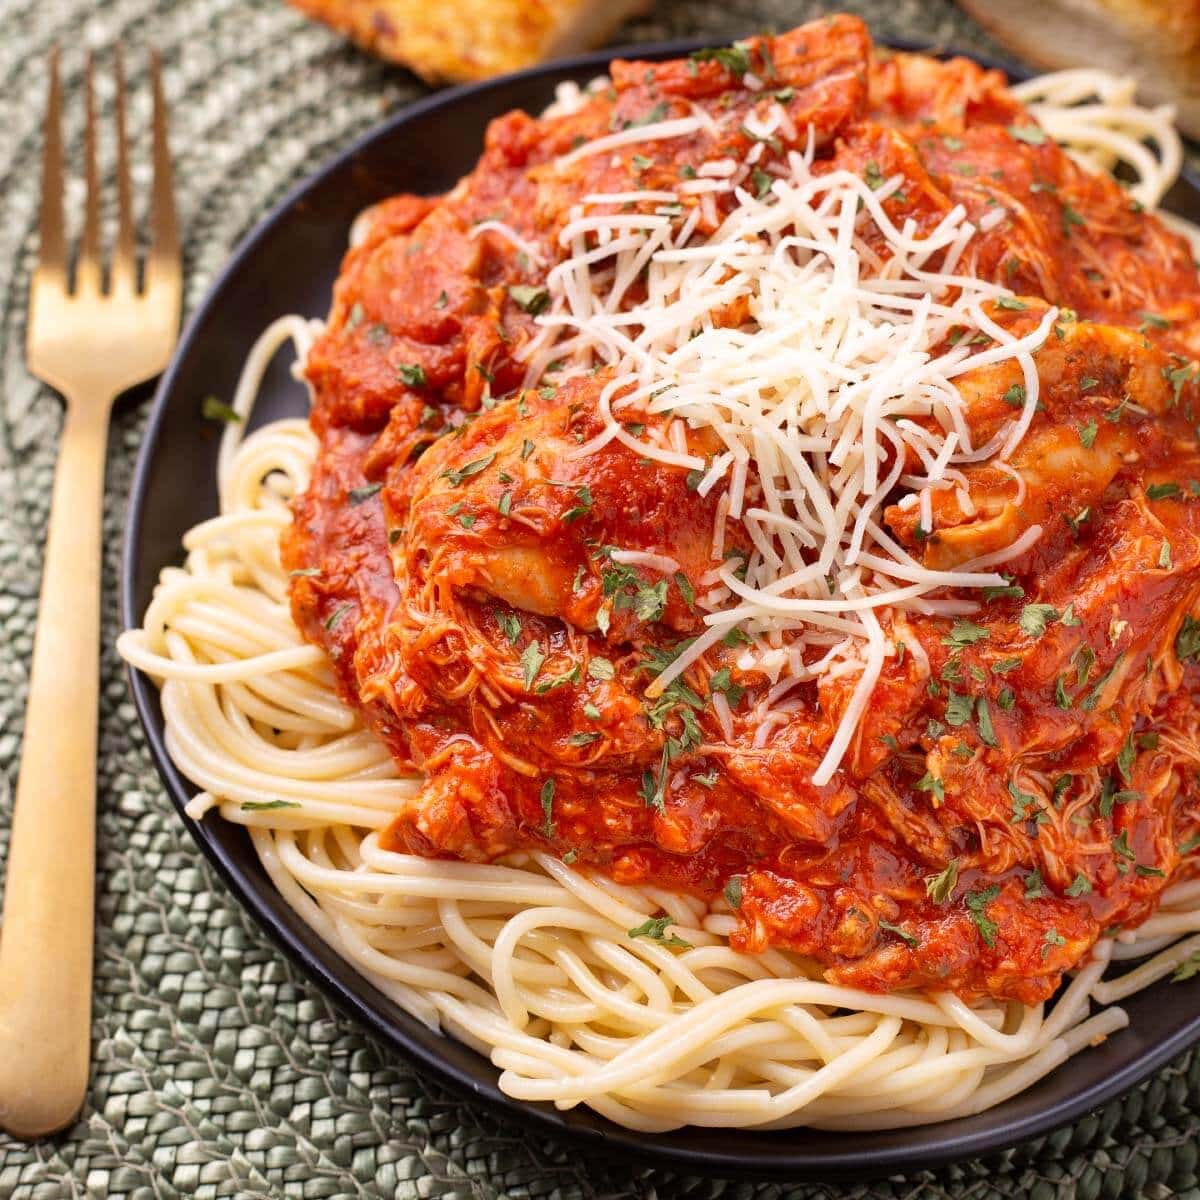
[
  {"x": 1125, "y": 759},
  {"x": 977, "y": 903},
  {"x": 534, "y": 300},
  {"x": 360, "y": 494},
  {"x": 1084, "y": 659},
  {"x": 582, "y": 509},
  {"x": 1188, "y": 968},
  {"x": 1187, "y": 641},
  {"x": 1070, "y": 218},
  {"x": 1178, "y": 375},
  {"x": 931, "y": 783},
  {"x": 1087, "y": 435},
  {"x": 684, "y": 584},
  {"x": 1008, "y": 591},
  {"x": 1093, "y": 697},
  {"x": 456, "y": 475},
  {"x": 1022, "y": 802},
  {"x": 940, "y": 887},
  {"x": 723, "y": 683},
  {"x": 412, "y": 374},
  {"x": 547, "y": 798},
  {"x": 903, "y": 934},
  {"x": 1110, "y": 796},
  {"x": 983, "y": 722},
  {"x": 1077, "y": 520},
  {"x": 337, "y": 614},
  {"x": 965, "y": 633},
  {"x": 1079, "y": 886},
  {"x": 958, "y": 708},
  {"x": 733, "y": 892},
  {"x": 532, "y": 659},
  {"x": 735, "y": 59},
  {"x": 1035, "y": 618},
  {"x": 1163, "y": 491},
  {"x": 1034, "y": 889},
  {"x": 510, "y": 625},
  {"x": 1053, "y": 938},
  {"x": 628, "y": 590},
  {"x": 649, "y": 601},
  {"x": 655, "y": 928},
  {"x": 1012, "y": 304},
  {"x": 212, "y": 409}
]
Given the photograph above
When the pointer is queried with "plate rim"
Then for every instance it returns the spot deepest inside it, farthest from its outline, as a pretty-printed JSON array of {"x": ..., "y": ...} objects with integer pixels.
[{"x": 383, "y": 1019}]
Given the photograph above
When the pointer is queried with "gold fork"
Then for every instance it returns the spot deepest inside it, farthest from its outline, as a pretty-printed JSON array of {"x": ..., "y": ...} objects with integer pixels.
[{"x": 90, "y": 344}]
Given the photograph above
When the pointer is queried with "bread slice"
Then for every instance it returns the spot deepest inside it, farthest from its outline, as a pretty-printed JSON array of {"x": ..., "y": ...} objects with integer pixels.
[
  {"x": 460, "y": 40},
  {"x": 1155, "y": 41}
]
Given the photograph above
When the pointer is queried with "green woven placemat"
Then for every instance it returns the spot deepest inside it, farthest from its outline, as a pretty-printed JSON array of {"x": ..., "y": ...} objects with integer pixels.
[{"x": 219, "y": 1071}]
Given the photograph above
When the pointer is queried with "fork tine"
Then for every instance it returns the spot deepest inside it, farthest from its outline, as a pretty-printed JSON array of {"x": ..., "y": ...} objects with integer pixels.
[
  {"x": 88, "y": 271},
  {"x": 124, "y": 262},
  {"x": 163, "y": 263},
  {"x": 52, "y": 254}
]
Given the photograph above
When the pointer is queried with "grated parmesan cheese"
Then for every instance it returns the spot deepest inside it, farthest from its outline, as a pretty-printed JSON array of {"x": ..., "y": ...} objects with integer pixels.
[{"x": 833, "y": 398}]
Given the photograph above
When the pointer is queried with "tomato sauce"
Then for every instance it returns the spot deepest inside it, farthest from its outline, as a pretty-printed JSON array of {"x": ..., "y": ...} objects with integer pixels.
[{"x": 1011, "y": 793}]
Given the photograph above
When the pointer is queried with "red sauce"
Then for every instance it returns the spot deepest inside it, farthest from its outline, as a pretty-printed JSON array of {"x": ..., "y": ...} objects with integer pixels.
[{"x": 461, "y": 586}]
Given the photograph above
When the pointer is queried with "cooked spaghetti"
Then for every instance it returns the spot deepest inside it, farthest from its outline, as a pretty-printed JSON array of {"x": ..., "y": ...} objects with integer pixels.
[{"x": 731, "y": 655}]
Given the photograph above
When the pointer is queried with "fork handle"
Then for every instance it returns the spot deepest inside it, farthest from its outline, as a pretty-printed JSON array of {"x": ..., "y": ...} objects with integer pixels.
[{"x": 46, "y": 937}]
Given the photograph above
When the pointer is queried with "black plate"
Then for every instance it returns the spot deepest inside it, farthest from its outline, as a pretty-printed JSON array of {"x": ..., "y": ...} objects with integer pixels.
[{"x": 288, "y": 264}]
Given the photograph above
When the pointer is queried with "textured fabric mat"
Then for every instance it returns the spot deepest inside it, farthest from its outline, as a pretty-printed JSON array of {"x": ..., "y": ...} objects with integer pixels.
[{"x": 219, "y": 1071}]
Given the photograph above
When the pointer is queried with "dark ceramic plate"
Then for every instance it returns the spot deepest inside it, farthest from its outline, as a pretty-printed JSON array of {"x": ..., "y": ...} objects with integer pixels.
[{"x": 288, "y": 264}]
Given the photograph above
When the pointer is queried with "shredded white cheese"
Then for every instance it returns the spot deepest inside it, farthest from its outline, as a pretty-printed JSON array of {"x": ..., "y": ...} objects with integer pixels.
[{"x": 828, "y": 400}]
